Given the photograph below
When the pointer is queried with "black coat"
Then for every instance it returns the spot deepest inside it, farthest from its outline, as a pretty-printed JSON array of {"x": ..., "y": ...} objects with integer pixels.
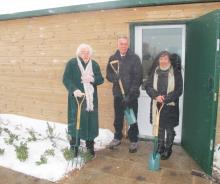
[
  {"x": 169, "y": 116},
  {"x": 130, "y": 73}
]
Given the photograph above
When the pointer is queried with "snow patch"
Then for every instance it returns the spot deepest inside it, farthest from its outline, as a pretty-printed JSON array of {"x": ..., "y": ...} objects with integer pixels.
[
  {"x": 56, "y": 167},
  {"x": 216, "y": 162}
]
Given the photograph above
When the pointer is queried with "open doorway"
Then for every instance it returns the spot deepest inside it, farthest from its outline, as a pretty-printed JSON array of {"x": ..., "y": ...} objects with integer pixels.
[
  {"x": 149, "y": 41},
  {"x": 197, "y": 42}
]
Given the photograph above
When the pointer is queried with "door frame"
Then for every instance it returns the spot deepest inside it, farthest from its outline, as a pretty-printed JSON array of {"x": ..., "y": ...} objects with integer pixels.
[
  {"x": 163, "y": 25},
  {"x": 132, "y": 26},
  {"x": 183, "y": 26}
]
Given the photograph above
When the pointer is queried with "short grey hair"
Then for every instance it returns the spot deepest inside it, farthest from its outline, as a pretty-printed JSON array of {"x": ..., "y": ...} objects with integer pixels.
[
  {"x": 123, "y": 37},
  {"x": 82, "y": 46}
]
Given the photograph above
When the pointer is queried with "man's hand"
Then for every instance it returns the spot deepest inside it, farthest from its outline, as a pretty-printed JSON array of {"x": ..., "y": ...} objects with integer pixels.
[{"x": 126, "y": 101}]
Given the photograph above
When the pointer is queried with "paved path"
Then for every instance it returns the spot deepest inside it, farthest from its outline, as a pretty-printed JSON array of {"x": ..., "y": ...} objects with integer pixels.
[{"x": 120, "y": 166}]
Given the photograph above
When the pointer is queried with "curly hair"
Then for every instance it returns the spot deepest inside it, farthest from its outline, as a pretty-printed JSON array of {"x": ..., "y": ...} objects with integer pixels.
[
  {"x": 156, "y": 60},
  {"x": 82, "y": 46}
]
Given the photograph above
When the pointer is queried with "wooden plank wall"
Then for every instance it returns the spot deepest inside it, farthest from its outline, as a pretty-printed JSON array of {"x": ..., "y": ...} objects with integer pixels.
[{"x": 34, "y": 51}]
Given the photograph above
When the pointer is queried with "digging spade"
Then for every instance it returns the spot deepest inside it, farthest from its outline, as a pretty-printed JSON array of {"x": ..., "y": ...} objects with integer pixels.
[
  {"x": 79, "y": 101},
  {"x": 154, "y": 158},
  {"x": 128, "y": 112}
]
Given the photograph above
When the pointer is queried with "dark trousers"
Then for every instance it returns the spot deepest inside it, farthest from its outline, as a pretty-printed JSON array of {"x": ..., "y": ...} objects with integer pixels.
[
  {"x": 119, "y": 119},
  {"x": 170, "y": 134}
]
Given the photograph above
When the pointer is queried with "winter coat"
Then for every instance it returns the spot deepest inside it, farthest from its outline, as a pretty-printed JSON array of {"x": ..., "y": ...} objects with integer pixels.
[
  {"x": 169, "y": 115},
  {"x": 89, "y": 120},
  {"x": 130, "y": 73}
]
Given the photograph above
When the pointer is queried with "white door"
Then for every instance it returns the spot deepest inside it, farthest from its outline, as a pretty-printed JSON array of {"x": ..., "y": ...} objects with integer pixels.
[{"x": 149, "y": 41}]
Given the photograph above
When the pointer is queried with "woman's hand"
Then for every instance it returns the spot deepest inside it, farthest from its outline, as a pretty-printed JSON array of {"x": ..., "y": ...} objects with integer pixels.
[
  {"x": 160, "y": 99},
  {"x": 77, "y": 93}
]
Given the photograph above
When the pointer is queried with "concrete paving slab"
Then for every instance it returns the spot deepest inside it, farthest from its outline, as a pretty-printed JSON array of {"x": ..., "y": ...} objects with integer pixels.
[{"x": 120, "y": 166}]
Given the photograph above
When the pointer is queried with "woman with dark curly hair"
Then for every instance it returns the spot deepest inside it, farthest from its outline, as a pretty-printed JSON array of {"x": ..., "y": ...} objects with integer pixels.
[{"x": 164, "y": 86}]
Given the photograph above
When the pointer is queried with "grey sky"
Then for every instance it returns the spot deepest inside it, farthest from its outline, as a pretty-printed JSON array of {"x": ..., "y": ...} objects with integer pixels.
[{"x": 13, "y": 6}]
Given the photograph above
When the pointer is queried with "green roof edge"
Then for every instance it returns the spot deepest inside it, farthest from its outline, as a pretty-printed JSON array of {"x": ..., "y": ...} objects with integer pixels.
[{"x": 97, "y": 6}]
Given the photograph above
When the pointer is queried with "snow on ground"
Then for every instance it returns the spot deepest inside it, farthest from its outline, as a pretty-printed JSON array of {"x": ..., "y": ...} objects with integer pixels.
[
  {"x": 216, "y": 162},
  {"x": 22, "y": 127}
]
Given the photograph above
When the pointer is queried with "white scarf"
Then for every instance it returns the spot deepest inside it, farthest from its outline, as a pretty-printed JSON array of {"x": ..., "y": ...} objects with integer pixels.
[
  {"x": 170, "y": 88},
  {"x": 88, "y": 88}
]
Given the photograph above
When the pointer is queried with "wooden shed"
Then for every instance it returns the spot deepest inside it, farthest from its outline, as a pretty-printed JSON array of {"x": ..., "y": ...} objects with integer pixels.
[{"x": 36, "y": 45}]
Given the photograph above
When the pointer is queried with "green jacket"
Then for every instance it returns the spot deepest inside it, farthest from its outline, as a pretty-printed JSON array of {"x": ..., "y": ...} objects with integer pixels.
[{"x": 89, "y": 120}]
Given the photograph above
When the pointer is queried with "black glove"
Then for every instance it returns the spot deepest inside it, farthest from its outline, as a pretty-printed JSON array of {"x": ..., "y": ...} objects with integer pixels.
[{"x": 126, "y": 101}]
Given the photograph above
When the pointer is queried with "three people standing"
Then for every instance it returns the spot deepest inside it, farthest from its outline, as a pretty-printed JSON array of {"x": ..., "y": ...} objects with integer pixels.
[{"x": 164, "y": 86}]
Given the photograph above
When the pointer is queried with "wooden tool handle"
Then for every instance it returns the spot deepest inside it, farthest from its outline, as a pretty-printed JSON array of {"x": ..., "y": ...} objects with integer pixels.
[
  {"x": 116, "y": 72},
  {"x": 156, "y": 125},
  {"x": 115, "y": 62},
  {"x": 79, "y": 106},
  {"x": 121, "y": 87}
]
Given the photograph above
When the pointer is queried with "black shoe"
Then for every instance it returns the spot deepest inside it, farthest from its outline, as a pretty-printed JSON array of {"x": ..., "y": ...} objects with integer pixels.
[
  {"x": 133, "y": 147},
  {"x": 169, "y": 144},
  {"x": 90, "y": 154},
  {"x": 166, "y": 154},
  {"x": 160, "y": 148}
]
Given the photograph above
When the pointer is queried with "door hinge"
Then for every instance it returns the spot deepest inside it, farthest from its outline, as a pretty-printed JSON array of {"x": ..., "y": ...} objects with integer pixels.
[
  {"x": 211, "y": 144},
  {"x": 215, "y": 97},
  {"x": 218, "y": 42}
]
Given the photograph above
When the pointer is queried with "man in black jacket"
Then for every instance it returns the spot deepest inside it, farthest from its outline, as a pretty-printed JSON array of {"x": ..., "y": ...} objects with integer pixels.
[{"x": 130, "y": 73}]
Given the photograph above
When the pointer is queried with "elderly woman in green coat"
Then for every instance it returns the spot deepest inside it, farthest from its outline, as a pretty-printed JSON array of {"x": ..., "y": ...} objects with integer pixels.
[{"x": 83, "y": 75}]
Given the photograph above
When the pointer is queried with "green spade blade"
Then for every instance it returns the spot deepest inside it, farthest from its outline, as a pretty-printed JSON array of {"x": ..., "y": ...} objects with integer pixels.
[{"x": 129, "y": 116}]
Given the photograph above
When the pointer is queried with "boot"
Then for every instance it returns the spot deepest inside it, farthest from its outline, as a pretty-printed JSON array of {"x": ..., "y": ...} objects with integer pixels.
[
  {"x": 166, "y": 154},
  {"x": 90, "y": 149},
  {"x": 169, "y": 144},
  {"x": 160, "y": 147},
  {"x": 73, "y": 146},
  {"x": 161, "y": 137}
]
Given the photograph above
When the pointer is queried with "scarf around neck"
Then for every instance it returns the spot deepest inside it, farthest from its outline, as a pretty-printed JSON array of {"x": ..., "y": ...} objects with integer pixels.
[
  {"x": 88, "y": 88},
  {"x": 170, "y": 88}
]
